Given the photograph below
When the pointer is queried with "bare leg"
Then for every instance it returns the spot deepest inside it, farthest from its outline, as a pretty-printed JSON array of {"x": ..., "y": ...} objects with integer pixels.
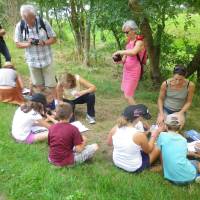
[
  {"x": 153, "y": 156},
  {"x": 53, "y": 92},
  {"x": 130, "y": 100},
  {"x": 41, "y": 136},
  {"x": 39, "y": 88}
]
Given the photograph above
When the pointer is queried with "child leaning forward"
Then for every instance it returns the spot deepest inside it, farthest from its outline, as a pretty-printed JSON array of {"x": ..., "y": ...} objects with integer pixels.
[
  {"x": 173, "y": 147},
  {"x": 66, "y": 145}
]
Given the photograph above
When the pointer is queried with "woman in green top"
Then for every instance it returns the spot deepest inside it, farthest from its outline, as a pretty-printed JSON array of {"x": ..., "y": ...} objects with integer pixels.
[{"x": 175, "y": 95}]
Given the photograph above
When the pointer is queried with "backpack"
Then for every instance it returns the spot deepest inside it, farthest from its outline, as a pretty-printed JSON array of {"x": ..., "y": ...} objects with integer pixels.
[
  {"x": 24, "y": 27},
  {"x": 192, "y": 135},
  {"x": 142, "y": 58}
]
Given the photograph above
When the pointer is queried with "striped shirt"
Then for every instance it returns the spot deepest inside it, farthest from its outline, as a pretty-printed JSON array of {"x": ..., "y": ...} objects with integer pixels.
[{"x": 36, "y": 56}]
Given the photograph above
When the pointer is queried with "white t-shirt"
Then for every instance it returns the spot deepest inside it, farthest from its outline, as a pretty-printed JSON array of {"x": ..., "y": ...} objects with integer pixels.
[
  {"x": 126, "y": 153},
  {"x": 23, "y": 123},
  {"x": 8, "y": 77}
]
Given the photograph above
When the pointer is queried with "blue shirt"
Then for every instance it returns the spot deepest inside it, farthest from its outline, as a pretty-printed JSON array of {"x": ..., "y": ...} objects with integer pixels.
[{"x": 177, "y": 167}]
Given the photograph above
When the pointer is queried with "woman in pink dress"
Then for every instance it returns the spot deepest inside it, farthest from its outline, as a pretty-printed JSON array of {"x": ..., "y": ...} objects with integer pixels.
[{"x": 132, "y": 67}]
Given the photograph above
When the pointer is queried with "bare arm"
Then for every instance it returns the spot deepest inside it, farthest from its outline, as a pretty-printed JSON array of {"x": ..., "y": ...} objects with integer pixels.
[
  {"x": 59, "y": 91},
  {"x": 89, "y": 87},
  {"x": 50, "y": 41},
  {"x": 131, "y": 52},
  {"x": 161, "y": 98},
  {"x": 80, "y": 147},
  {"x": 23, "y": 45},
  {"x": 2, "y": 32},
  {"x": 19, "y": 79},
  {"x": 110, "y": 134},
  {"x": 141, "y": 140},
  {"x": 191, "y": 89},
  {"x": 43, "y": 123}
]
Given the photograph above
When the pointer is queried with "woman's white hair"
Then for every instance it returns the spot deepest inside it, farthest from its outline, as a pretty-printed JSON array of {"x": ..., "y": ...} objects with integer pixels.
[
  {"x": 131, "y": 24},
  {"x": 27, "y": 9}
]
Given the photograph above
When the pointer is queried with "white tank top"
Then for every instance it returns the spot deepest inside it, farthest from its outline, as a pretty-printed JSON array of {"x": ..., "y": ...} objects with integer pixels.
[
  {"x": 126, "y": 154},
  {"x": 69, "y": 94}
]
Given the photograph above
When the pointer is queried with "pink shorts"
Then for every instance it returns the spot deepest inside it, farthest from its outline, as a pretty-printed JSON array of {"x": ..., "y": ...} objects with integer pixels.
[{"x": 30, "y": 139}]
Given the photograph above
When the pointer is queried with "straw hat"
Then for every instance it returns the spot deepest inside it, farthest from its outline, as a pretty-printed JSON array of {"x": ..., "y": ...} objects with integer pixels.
[{"x": 8, "y": 64}]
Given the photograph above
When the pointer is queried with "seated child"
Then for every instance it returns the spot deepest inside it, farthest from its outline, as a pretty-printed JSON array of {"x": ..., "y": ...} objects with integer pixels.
[
  {"x": 27, "y": 117},
  {"x": 132, "y": 151},
  {"x": 173, "y": 148},
  {"x": 66, "y": 145},
  {"x": 51, "y": 103}
]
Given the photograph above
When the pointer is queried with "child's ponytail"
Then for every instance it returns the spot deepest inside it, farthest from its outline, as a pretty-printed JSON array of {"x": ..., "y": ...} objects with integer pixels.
[{"x": 122, "y": 121}]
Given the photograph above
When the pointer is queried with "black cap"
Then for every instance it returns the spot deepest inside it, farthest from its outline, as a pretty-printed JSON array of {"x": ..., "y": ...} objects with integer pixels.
[
  {"x": 179, "y": 69},
  {"x": 40, "y": 98},
  {"x": 134, "y": 111}
]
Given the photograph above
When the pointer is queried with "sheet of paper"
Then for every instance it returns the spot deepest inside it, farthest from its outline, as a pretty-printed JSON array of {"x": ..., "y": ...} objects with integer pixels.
[
  {"x": 80, "y": 126},
  {"x": 191, "y": 145}
]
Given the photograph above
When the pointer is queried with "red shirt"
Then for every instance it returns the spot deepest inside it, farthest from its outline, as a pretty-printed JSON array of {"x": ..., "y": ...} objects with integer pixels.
[{"x": 62, "y": 138}]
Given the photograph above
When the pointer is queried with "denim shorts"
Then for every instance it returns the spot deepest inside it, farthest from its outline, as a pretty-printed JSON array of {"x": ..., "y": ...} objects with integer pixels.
[{"x": 145, "y": 162}]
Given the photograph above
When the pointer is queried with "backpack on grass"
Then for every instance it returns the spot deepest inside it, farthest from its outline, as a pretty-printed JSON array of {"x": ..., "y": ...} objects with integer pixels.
[{"x": 24, "y": 27}]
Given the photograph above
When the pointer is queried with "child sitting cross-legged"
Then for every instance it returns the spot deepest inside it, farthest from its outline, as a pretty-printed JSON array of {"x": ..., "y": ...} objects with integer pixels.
[
  {"x": 29, "y": 123},
  {"x": 132, "y": 151},
  {"x": 173, "y": 147},
  {"x": 66, "y": 145}
]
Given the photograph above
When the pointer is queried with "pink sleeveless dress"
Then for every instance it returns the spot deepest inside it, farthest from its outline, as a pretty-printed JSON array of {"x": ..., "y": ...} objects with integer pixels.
[{"x": 131, "y": 73}]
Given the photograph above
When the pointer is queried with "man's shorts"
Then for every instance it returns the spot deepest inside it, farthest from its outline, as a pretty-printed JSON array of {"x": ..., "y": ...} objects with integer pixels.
[{"x": 44, "y": 76}]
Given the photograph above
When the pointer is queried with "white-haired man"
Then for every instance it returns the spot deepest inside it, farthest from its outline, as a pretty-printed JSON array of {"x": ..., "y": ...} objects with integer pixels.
[{"x": 36, "y": 37}]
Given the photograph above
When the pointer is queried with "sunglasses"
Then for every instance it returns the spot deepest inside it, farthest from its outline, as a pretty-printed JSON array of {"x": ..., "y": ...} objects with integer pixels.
[{"x": 126, "y": 32}]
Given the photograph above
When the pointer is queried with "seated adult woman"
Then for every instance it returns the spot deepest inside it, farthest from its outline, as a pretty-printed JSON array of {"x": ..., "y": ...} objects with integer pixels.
[
  {"x": 10, "y": 85},
  {"x": 175, "y": 95},
  {"x": 76, "y": 90},
  {"x": 133, "y": 152}
]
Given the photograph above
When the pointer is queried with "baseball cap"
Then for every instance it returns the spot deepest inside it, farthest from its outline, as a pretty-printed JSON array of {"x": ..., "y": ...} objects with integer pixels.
[
  {"x": 173, "y": 120},
  {"x": 134, "y": 111},
  {"x": 40, "y": 98}
]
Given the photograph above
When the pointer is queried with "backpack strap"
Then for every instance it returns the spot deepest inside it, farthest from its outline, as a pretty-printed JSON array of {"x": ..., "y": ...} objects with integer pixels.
[
  {"x": 166, "y": 83},
  {"x": 24, "y": 28},
  {"x": 42, "y": 25},
  {"x": 188, "y": 84}
]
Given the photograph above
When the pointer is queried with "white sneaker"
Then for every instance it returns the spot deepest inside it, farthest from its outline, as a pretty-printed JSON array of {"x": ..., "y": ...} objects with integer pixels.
[{"x": 91, "y": 120}]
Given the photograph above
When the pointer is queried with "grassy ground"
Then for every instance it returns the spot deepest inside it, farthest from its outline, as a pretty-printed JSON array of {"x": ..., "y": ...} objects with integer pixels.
[{"x": 25, "y": 173}]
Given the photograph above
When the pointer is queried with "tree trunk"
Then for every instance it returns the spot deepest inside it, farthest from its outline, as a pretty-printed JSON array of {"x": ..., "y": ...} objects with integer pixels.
[
  {"x": 194, "y": 66},
  {"x": 154, "y": 50},
  {"x": 114, "y": 31},
  {"x": 75, "y": 25},
  {"x": 87, "y": 42}
]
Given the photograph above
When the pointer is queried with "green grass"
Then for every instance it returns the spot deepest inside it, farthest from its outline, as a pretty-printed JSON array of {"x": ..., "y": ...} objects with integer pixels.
[{"x": 26, "y": 174}]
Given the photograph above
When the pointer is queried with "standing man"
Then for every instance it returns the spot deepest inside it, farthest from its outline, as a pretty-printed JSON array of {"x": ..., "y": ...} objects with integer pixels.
[
  {"x": 36, "y": 36},
  {"x": 3, "y": 48}
]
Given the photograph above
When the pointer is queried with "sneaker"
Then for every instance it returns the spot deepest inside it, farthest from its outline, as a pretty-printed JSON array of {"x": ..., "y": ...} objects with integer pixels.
[
  {"x": 197, "y": 179},
  {"x": 90, "y": 119}
]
